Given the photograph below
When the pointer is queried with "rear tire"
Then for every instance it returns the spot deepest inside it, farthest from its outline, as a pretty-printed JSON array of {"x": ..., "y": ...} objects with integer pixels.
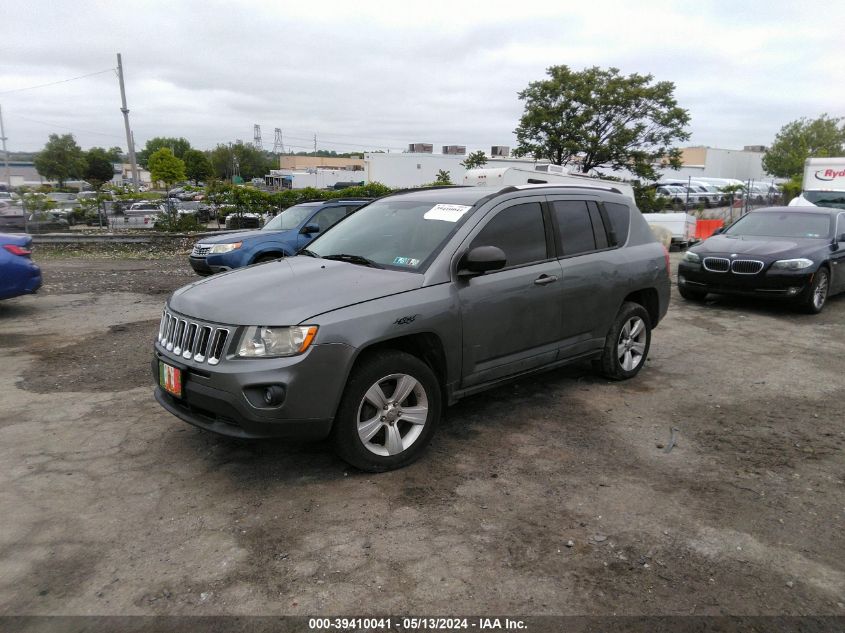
[
  {"x": 692, "y": 295},
  {"x": 816, "y": 296},
  {"x": 627, "y": 343},
  {"x": 377, "y": 429}
]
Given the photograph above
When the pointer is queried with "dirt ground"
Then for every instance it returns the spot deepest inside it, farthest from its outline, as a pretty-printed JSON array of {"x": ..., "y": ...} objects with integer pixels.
[{"x": 554, "y": 495}]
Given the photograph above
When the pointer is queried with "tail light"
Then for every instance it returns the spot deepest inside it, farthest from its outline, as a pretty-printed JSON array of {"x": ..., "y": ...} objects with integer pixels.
[{"x": 17, "y": 250}]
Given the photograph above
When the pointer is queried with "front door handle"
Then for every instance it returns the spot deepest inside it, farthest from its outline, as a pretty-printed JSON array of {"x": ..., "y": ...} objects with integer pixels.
[{"x": 544, "y": 279}]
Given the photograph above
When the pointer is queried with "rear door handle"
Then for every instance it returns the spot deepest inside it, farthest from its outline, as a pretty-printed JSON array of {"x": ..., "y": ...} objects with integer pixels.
[{"x": 544, "y": 279}]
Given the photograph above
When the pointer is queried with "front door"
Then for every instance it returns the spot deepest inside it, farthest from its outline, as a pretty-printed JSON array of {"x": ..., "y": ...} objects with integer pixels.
[{"x": 511, "y": 317}]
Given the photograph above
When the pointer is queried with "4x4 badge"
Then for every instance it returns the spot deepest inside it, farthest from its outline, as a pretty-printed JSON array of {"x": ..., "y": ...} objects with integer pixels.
[{"x": 405, "y": 320}]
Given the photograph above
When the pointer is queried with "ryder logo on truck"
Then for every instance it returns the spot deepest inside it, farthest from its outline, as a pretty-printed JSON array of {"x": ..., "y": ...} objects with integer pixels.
[{"x": 829, "y": 174}]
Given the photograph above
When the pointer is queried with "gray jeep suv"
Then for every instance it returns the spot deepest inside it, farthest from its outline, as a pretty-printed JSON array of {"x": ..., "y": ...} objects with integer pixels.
[{"x": 418, "y": 299}]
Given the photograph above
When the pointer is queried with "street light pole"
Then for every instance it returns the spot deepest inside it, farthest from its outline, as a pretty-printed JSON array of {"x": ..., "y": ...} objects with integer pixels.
[
  {"x": 5, "y": 153},
  {"x": 130, "y": 142}
]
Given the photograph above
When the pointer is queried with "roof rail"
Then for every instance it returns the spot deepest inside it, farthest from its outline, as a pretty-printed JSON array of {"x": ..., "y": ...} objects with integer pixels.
[
  {"x": 429, "y": 188},
  {"x": 562, "y": 186}
]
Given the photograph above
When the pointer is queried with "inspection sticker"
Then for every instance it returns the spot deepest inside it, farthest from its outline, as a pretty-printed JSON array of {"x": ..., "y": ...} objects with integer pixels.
[
  {"x": 406, "y": 261},
  {"x": 446, "y": 212}
]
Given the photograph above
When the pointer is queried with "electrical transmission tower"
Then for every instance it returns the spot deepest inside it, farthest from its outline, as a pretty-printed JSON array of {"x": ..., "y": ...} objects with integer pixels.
[
  {"x": 278, "y": 144},
  {"x": 256, "y": 135}
]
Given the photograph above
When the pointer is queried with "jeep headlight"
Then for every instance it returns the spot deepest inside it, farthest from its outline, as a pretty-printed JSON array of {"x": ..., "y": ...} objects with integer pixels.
[
  {"x": 691, "y": 257},
  {"x": 792, "y": 264},
  {"x": 261, "y": 341},
  {"x": 225, "y": 248}
]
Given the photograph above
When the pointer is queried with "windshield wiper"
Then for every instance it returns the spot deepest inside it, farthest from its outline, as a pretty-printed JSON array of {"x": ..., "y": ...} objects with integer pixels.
[{"x": 354, "y": 259}]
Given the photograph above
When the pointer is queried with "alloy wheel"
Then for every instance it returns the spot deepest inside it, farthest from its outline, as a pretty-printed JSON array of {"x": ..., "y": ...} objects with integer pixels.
[
  {"x": 630, "y": 347},
  {"x": 820, "y": 291},
  {"x": 392, "y": 414}
]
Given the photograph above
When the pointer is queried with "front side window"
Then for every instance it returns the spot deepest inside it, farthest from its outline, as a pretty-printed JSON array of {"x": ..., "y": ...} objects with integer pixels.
[
  {"x": 327, "y": 217},
  {"x": 519, "y": 231}
]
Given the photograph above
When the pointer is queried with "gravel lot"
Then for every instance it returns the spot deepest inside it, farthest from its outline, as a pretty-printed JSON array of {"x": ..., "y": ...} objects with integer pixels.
[{"x": 550, "y": 496}]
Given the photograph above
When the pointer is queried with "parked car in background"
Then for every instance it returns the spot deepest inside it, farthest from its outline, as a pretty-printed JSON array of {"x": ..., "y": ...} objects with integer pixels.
[
  {"x": 793, "y": 253},
  {"x": 237, "y": 220},
  {"x": 46, "y": 222},
  {"x": 282, "y": 236},
  {"x": 19, "y": 275},
  {"x": 144, "y": 209},
  {"x": 201, "y": 210},
  {"x": 414, "y": 301}
]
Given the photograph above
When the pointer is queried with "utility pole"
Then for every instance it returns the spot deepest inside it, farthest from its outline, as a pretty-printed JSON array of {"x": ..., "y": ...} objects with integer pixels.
[
  {"x": 130, "y": 142},
  {"x": 315, "y": 143},
  {"x": 5, "y": 153}
]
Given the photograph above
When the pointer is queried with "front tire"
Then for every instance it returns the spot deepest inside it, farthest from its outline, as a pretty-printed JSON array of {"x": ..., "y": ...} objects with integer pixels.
[
  {"x": 816, "y": 297},
  {"x": 388, "y": 412},
  {"x": 627, "y": 343}
]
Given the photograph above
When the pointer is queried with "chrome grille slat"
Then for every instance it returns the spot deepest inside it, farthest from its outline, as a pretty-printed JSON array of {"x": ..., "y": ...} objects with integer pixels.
[
  {"x": 746, "y": 266},
  {"x": 716, "y": 264},
  {"x": 190, "y": 339}
]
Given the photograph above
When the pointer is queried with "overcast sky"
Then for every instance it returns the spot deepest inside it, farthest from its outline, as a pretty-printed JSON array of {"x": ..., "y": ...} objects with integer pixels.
[{"x": 379, "y": 75}]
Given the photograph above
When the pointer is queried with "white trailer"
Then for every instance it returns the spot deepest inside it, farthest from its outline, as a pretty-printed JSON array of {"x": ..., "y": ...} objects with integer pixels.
[
  {"x": 680, "y": 225},
  {"x": 824, "y": 183},
  {"x": 514, "y": 176}
]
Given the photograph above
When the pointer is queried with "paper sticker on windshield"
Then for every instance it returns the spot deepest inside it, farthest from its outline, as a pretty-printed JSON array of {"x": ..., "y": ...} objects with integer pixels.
[
  {"x": 446, "y": 212},
  {"x": 406, "y": 261}
]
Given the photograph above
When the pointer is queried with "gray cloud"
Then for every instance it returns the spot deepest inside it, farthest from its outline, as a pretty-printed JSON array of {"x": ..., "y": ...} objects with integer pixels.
[{"x": 383, "y": 74}]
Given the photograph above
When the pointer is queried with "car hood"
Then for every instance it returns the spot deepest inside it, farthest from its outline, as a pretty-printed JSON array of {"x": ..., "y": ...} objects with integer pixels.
[
  {"x": 287, "y": 291},
  {"x": 757, "y": 246},
  {"x": 239, "y": 236}
]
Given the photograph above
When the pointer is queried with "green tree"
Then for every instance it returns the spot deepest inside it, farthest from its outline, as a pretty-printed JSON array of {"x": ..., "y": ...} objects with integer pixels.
[
  {"x": 802, "y": 139},
  {"x": 241, "y": 159},
  {"x": 443, "y": 177},
  {"x": 475, "y": 160},
  {"x": 99, "y": 166},
  {"x": 61, "y": 159},
  {"x": 599, "y": 117},
  {"x": 165, "y": 167},
  {"x": 197, "y": 165},
  {"x": 179, "y": 146}
]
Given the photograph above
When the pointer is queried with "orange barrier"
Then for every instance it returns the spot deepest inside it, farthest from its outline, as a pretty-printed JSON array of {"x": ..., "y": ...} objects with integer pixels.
[{"x": 706, "y": 228}]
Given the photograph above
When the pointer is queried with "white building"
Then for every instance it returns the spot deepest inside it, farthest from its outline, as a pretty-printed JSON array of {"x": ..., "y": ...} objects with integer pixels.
[
  {"x": 415, "y": 169},
  {"x": 317, "y": 178}
]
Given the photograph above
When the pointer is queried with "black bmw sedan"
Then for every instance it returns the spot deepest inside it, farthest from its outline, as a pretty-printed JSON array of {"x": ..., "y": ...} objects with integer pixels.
[{"x": 794, "y": 253}]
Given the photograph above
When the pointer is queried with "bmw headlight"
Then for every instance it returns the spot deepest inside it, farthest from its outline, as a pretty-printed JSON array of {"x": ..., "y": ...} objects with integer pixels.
[
  {"x": 225, "y": 248},
  {"x": 792, "y": 264},
  {"x": 691, "y": 257},
  {"x": 261, "y": 341}
]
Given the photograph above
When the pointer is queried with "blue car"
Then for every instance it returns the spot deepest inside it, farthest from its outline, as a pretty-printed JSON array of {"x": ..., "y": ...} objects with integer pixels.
[
  {"x": 19, "y": 275},
  {"x": 282, "y": 236}
]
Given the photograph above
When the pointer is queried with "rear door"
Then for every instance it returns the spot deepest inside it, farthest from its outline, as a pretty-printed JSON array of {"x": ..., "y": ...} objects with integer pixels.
[
  {"x": 591, "y": 278},
  {"x": 511, "y": 317}
]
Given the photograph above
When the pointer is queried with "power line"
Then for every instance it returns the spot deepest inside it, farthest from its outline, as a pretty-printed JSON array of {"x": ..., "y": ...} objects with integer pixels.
[
  {"x": 61, "y": 127},
  {"x": 62, "y": 81}
]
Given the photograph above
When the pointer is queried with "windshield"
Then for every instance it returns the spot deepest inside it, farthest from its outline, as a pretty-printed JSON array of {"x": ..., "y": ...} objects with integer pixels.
[
  {"x": 832, "y": 199},
  {"x": 290, "y": 218},
  {"x": 784, "y": 224},
  {"x": 395, "y": 233}
]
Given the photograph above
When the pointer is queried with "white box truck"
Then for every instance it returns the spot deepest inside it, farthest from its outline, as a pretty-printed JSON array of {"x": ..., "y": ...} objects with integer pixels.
[
  {"x": 544, "y": 175},
  {"x": 680, "y": 225},
  {"x": 824, "y": 183}
]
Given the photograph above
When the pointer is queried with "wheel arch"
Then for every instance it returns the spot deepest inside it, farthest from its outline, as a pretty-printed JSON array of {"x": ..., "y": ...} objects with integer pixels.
[
  {"x": 268, "y": 251},
  {"x": 649, "y": 299}
]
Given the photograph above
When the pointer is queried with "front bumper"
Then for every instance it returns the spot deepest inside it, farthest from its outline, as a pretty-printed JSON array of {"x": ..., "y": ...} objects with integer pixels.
[
  {"x": 207, "y": 265},
  {"x": 228, "y": 398},
  {"x": 780, "y": 285}
]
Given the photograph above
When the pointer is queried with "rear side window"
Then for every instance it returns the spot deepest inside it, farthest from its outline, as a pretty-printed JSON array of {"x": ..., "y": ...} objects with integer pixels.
[
  {"x": 519, "y": 231},
  {"x": 620, "y": 220},
  {"x": 575, "y": 227}
]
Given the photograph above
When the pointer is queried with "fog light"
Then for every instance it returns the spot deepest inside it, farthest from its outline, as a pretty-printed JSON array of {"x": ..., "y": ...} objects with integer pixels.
[
  {"x": 681, "y": 280},
  {"x": 274, "y": 395},
  {"x": 793, "y": 291}
]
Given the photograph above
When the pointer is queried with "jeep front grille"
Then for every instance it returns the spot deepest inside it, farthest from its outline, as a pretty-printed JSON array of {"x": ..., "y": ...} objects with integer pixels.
[{"x": 204, "y": 343}]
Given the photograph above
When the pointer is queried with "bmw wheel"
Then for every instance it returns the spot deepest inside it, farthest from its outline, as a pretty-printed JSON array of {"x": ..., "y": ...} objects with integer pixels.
[{"x": 816, "y": 296}]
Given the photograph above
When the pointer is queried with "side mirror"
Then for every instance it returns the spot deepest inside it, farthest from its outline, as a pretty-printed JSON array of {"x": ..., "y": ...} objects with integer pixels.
[
  {"x": 480, "y": 260},
  {"x": 308, "y": 229}
]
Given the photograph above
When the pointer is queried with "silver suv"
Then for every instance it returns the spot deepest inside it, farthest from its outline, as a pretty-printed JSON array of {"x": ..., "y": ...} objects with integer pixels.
[{"x": 415, "y": 301}]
